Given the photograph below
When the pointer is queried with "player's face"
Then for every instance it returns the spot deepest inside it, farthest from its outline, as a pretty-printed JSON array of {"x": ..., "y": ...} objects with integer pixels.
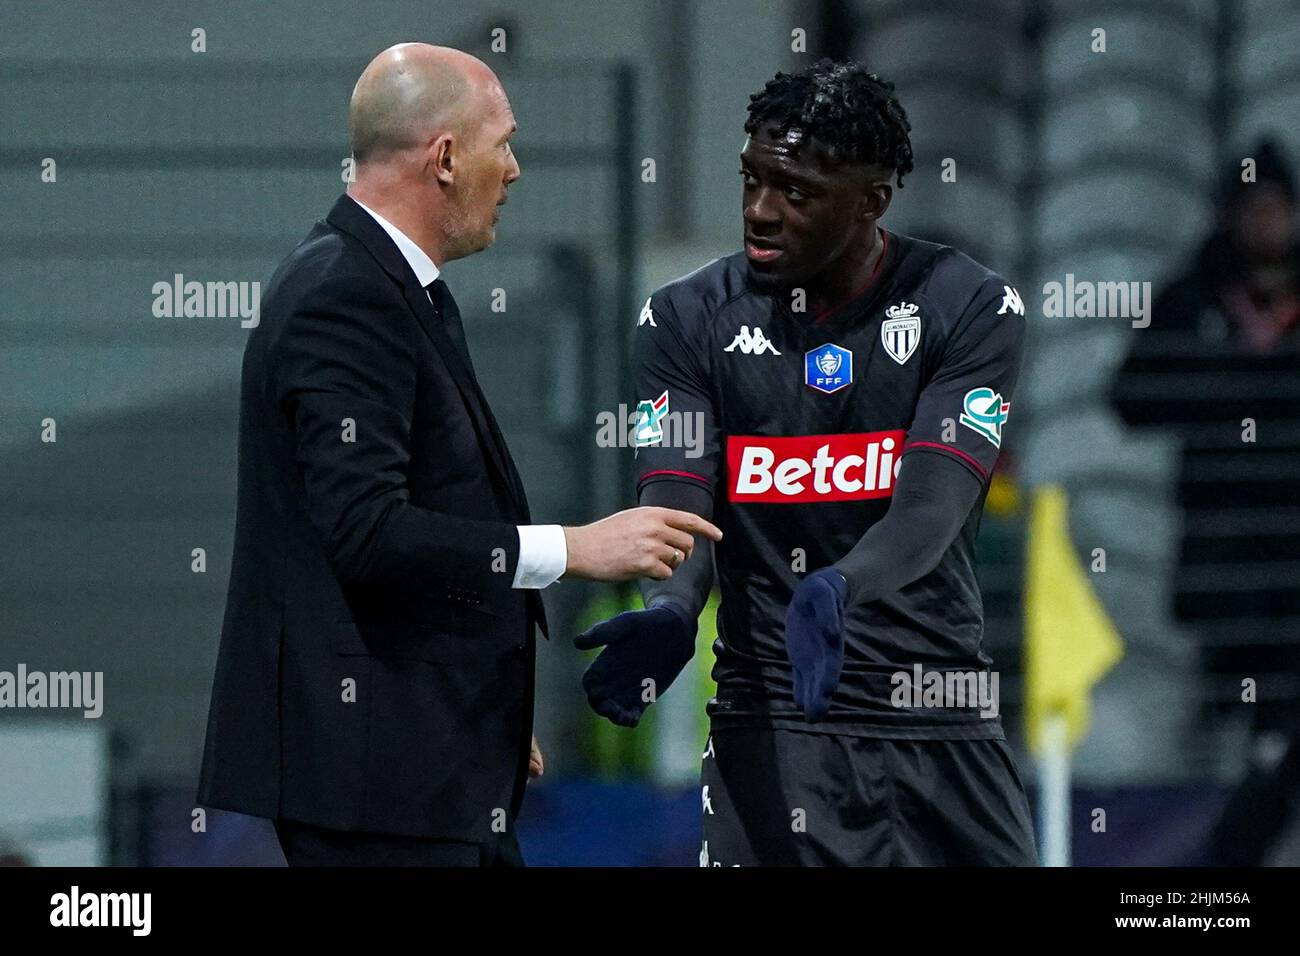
[
  {"x": 804, "y": 215},
  {"x": 488, "y": 167}
]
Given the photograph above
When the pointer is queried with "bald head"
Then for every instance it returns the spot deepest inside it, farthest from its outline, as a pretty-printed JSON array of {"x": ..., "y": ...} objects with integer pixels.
[
  {"x": 431, "y": 130},
  {"x": 413, "y": 92}
]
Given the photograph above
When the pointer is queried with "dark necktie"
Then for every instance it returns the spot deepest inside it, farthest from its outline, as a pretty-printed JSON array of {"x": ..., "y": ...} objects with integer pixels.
[{"x": 448, "y": 312}]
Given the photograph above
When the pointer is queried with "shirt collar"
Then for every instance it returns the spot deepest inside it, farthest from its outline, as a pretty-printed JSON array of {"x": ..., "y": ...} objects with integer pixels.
[{"x": 424, "y": 268}]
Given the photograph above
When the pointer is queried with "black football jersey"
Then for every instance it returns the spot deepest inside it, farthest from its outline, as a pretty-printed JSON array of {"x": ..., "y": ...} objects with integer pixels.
[{"x": 797, "y": 423}]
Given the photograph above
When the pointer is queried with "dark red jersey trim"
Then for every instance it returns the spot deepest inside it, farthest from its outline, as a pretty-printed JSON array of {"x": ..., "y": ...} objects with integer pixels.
[
  {"x": 675, "y": 474},
  {"x": 984, "y": 472}
]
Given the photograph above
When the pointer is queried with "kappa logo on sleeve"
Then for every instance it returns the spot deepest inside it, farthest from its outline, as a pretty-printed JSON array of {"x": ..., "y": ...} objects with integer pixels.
[
  {"x": 649, "y": 420},
  {"x": 647, "y": 315},
  {"x": 985, "y": 413},
  {"x": 1011, "y": 302}
]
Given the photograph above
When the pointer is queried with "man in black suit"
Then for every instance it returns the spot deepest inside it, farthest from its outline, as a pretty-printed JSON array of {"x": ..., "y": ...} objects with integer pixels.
[{"x": 374, "y": 686}]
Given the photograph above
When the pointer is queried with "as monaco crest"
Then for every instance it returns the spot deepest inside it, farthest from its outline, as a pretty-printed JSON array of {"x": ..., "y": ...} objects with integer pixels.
[{"x": 901, "y": 331}]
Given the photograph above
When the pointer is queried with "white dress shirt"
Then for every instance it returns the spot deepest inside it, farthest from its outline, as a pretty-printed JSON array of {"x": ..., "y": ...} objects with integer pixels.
[{"x": 543, "y": 553}]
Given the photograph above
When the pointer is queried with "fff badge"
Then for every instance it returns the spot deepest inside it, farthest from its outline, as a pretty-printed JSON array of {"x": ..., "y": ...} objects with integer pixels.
[{"x": 828, "y": 368}]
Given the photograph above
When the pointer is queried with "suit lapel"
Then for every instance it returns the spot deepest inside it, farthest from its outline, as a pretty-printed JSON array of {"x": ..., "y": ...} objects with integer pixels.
[
  {"x": 484, "y": 421},
  {"x": 352, "y": 219}
]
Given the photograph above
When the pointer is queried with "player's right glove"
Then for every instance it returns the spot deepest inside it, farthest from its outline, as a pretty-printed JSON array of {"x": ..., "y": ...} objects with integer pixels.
[
  {"x": 814, "y": 639},
  {"x": 654, "y": 644}
]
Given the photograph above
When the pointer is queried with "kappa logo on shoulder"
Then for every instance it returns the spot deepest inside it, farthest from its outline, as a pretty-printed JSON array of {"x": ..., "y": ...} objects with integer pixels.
[
  {"x": 901, "y": 331},
  {"x": 751, "y": 344},
  {"x": 1011, "y": 302}
]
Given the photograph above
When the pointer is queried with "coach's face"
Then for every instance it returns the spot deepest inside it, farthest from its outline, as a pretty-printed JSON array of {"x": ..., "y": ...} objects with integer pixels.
[
  {"x": 804, "y": 214},
  {"x": 483, "y": 174}
]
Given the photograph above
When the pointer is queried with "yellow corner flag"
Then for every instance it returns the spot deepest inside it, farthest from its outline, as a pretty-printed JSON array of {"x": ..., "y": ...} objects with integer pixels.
[{"x": 1070, "y": 642}]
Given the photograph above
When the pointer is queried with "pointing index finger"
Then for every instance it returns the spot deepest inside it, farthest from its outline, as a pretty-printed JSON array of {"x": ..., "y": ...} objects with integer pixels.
[{"x": 685, "y": 521}]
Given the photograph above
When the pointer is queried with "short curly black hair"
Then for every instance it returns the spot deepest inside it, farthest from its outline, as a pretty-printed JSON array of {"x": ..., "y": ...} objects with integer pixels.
[{"x": 852, "y": 115}]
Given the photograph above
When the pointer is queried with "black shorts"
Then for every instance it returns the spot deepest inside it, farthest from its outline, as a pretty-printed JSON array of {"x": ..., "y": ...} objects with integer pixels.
[{"x": 790, "y": 798}]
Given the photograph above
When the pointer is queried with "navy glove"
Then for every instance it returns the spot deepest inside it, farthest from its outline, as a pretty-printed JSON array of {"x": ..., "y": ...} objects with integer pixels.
[
  {"x": 814, "y": 640},
  {"x": 656, "y": 644}
]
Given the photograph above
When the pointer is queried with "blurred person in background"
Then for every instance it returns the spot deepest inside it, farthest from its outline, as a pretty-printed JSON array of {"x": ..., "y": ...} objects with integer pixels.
[
  {"x": 1242, "y": 288},
  {"x": 1220, "y": 365},
  {"x": 12, "y": 853}
]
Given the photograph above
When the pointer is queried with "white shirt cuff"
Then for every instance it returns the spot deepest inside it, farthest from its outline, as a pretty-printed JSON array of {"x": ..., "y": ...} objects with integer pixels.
[{"x": 543, "y": 555}]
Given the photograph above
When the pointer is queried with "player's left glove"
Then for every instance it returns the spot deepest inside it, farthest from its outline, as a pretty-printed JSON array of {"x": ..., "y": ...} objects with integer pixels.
[
  {"x": 653, "y": 645},
  {"x": 814, "y": 640}
]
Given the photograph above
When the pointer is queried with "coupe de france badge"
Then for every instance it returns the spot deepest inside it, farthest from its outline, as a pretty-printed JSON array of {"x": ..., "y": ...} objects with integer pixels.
[
  {"x": 900, "y": 331},
  {"x": 986, "y": 413},
  {"x": 649, "y": 416},
  {"x": 828, "y": 368}
]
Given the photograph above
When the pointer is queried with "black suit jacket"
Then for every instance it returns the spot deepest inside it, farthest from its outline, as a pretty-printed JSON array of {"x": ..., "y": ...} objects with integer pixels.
[{"x": 376, "y": 665}]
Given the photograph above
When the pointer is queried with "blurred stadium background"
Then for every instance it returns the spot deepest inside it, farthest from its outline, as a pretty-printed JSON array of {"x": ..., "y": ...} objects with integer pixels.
[{"x": 213, "y": 165}]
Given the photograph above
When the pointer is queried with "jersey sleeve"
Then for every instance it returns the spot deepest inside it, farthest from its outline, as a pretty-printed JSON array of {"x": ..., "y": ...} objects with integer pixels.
[
  {"x": 963, "y": 410},
  {"x": 675, "y": 431}
]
